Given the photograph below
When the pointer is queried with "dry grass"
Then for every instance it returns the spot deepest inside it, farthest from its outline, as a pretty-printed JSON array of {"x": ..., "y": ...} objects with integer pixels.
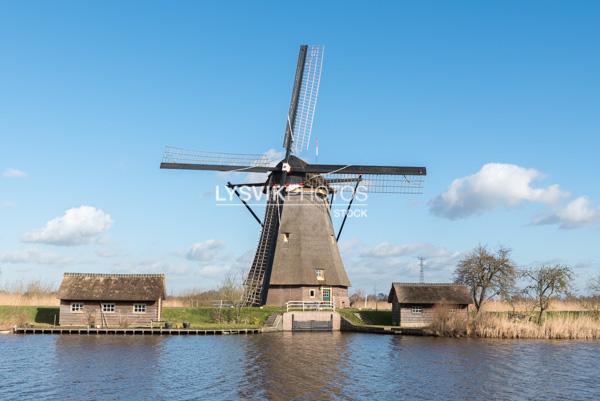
[
  {"x": 371, "y": 305},
  {"x": 13, "y": 299},
  {"x": 448, "y": 323},
  {"x": 33, "y": 293},
  {"x": 555, "y": 306},
  {"x": 580, "y": 327}
]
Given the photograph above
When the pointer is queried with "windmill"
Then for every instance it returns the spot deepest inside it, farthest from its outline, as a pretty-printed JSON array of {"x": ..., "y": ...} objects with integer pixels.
[{"x": 297, "y": 256}]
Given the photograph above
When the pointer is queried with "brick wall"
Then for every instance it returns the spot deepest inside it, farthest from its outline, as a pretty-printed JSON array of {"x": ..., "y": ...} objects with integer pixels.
[{"x": 280, "y": 295}]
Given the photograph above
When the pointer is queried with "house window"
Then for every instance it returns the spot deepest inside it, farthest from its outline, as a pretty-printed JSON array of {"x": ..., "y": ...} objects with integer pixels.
[
  {"x": 77, "y": 307},
  {"x": 286, "y": 237},
  {"x": 108, "y": 308},
  {"x": 139, "y": 308},
  {"x": 320, "y": 274},
  {"x": 416, "y": 310},
  {"x": 311, "y": 293}
]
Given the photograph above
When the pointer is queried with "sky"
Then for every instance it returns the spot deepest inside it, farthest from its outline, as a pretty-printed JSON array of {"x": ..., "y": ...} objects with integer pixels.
[{"x": 498, "y": 100}]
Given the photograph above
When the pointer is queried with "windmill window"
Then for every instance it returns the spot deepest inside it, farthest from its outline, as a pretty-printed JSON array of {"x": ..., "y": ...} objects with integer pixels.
[
  {"x": 332, "y": 239},
  {"x": 108, "y": 308},
  {"x": 286, "y": 237},
  {"x": 311, "y": 293},
  {"x": 320, "y": 273},
  {"x": 416, "y": 310},
  {"x": 77, "y": 307}
]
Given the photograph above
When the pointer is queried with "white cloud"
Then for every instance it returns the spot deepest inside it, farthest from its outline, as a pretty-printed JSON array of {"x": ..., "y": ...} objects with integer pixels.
[
  {"x": 386, "y": 249},
  {"x": 204, "y": 251},
  {"x": 81, "y": 225},
  {"x": 576, "y": 214},
  {"x": 494, "y": 185},
  {"x": 14, "y": 173},
  {"x": 6, "y": 204},
  {"x": 33, "y": 256},
  {"x": 380, "y": 264}
]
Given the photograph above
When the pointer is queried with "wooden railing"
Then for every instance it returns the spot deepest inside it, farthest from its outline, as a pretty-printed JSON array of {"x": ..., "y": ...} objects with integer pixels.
[{"x": 309, "y": 306}]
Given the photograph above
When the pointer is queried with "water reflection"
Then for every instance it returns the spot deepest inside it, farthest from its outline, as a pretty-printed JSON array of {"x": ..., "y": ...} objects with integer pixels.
[
  {"x": 302, "y": 366},
  {"x": 299, "y": 366},
  {"x": 92, "y": 367}
]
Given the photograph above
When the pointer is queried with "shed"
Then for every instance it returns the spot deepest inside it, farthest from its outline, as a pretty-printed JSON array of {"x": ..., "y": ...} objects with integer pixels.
[
  {"x": 414, "y": 304},
  {"x": 93, "y": 299}
]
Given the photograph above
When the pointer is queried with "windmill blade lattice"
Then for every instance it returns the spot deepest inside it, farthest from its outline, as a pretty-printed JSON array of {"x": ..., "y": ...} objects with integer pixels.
[
  {"x": 307, "y": 99},
  {"x": 377, "y": 183},
  {"x": 178, "y": 158}
]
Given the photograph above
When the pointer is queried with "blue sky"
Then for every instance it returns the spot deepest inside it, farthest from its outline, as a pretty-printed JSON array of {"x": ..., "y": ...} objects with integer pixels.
[{"x": 502, "y": 97}]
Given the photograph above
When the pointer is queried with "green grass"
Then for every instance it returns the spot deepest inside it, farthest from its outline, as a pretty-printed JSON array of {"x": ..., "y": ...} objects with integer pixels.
[
  {"x": 42, "y": 316},
  {"x": 209, "y": 317},
  {"x": 205, "y": 318},
  {"x": 367, "y": 317},
  {"x": 378, "y": 318}
]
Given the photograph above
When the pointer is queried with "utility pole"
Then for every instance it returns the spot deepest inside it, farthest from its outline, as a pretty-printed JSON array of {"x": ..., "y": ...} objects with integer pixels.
[{"x": 421, "y": 270}]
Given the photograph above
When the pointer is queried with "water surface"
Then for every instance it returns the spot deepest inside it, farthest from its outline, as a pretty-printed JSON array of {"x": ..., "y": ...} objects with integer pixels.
[{"x": 300, "y": 366}]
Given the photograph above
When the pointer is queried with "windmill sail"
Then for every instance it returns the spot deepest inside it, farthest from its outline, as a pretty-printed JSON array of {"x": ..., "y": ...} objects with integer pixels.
[
  {"x": 374, "y": 179},
  {"x": 297, "y": 256},
  {"x": 184, "y": 159},
  {"x": 304, "y": 98}
]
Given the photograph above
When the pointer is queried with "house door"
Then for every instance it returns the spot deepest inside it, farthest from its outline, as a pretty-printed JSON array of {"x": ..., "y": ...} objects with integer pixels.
[{"x": 326, "y": 294}]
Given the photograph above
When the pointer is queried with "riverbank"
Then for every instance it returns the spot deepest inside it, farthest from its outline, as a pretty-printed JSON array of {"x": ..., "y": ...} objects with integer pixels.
[
  {"x": 199, "y": 318},
  {"x": 580, "y": 325},
  {"x": 557, "y": 325}
]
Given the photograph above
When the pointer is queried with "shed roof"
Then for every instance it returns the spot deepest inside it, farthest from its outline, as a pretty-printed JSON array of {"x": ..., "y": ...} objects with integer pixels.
[
  {"x": 112, "y": 287},
  {"x": 430, "y": 293}
]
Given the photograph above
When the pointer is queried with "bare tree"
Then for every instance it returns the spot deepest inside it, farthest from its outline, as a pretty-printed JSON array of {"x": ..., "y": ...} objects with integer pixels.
[
  {"x": 357, "y": 297},
  {"x": 546, "y": 283},
  {"x": 486, "y": 274},
  {"x": 231, "y": 291},
  {"x": 231, "y": 288},
  {"x": 592, "y": 302}
]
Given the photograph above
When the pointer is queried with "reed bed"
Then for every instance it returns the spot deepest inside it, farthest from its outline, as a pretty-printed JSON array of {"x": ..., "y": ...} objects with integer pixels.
[
  {"x": 556, "y": 305},
  {"x": 15, "y": 299},
  {"x": 567, "y": 327}
]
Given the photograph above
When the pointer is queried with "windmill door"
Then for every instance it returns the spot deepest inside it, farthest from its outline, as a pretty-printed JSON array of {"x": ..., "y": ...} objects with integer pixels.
[{"x": 326, "y": 294}]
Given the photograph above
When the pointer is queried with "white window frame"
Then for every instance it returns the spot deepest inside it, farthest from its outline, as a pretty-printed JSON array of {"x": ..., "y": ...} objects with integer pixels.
[
  {"x": 140, "y": 306},
  {"x": 416, "y": 310},
  {"x": 106, "y": 307},
  {"x": 320, "y": 273},
  {"x": 77, "y": 307},
  {"x": 312, "y": 293}
]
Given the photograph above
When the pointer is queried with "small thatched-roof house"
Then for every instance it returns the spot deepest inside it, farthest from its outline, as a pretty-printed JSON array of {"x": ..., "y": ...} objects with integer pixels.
[
  {"x": 111, "y": 299},
  {"x": 413, "y": 304}
]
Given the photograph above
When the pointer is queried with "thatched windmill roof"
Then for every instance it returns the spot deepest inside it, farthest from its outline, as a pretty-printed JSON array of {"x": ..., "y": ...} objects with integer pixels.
[
  {"x": 112, "y": 287},
  {"x": 307, "y": 243}
]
